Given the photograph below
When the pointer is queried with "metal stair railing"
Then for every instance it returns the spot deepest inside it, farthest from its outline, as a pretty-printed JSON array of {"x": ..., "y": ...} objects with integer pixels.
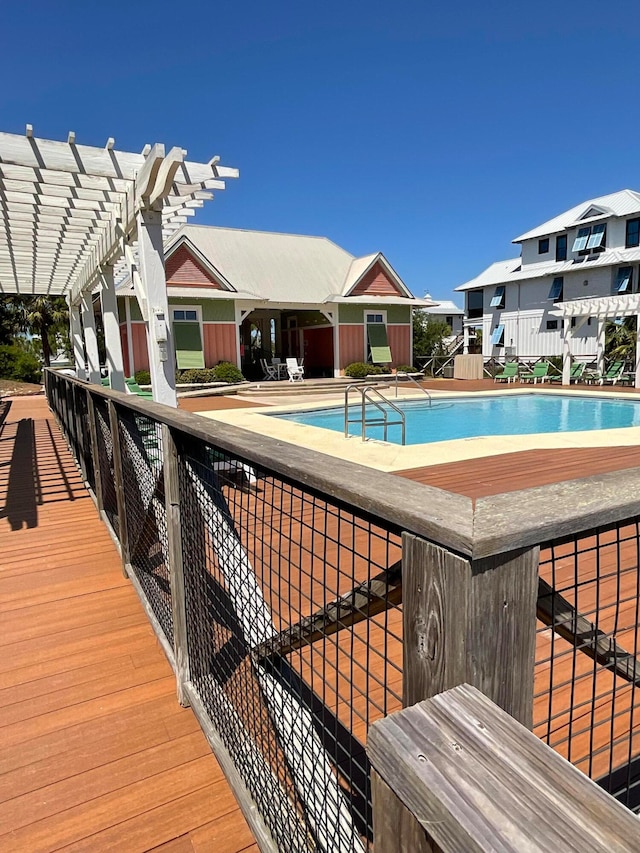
[
  {"x": 416, "y": 383},
  {"x": 365, "y": 392}
]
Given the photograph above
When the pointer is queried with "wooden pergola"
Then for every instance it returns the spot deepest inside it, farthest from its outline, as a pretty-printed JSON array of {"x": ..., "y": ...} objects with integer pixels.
[
  {"x": 600, "y": 308},
  {"x": 75, "y": 219}
]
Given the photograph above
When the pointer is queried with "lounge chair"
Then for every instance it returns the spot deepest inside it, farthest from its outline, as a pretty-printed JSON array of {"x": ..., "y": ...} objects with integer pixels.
[
  {"x": 540, "y": 371},
  {"x": 295, "y": 370},
  {"x": 613, "y": 374},
  {"x": 133, "y": 388},
  {"x": 509, "y": 372},
  {"x": 577, "y": 371}
]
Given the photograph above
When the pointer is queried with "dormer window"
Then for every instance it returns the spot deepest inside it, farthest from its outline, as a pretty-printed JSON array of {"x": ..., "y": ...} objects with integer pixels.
[
  {"x": 497, "y": 300},
  {"x": 633, "y": 233},
  {"x": 556, "y": 289},
  {"x": 623, "y": 280},
  {"x": 543, "y": 246},
  {"x": 590, "y": 239}
]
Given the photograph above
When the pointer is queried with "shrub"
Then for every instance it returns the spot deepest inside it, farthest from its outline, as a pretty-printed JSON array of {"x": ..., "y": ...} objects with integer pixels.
[
  {"x": 16, "y": 363},
  {"x": 198, "y": 374},
  {"x": 358, "y": 370},
  {"x": 406, "y": 368},
  {"x": 227, "y": 372},
  {"x": 142, "y": 377}
]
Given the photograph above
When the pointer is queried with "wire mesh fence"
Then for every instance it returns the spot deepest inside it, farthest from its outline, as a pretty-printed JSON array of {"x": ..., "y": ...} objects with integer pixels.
[
  {"x": 587, "y": 702},
  {"x": 294, "y": 629},
  {"x": 106, "y": 462},
  {"x": 143, "y": 486}
]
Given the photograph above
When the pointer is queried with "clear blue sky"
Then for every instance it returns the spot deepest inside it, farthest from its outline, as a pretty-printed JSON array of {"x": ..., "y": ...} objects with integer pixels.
[{"x": 434, "y": 132}]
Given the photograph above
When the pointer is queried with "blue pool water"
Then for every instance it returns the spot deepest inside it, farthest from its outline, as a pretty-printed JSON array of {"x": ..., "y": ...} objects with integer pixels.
[{"x": 508, "y": 415}]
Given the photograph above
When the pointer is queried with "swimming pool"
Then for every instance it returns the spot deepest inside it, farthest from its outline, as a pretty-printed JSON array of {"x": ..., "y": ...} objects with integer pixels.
[{"x": 513, "y": 414}]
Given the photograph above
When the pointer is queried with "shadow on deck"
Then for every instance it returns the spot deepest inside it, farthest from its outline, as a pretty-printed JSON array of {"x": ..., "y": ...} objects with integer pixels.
[{"x": 96, "y": 751}]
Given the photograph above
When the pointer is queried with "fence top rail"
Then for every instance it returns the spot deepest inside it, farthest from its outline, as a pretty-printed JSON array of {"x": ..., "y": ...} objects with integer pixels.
[
  {"x": 442, "y": 517},
  {"x": 477, "y": 780}
]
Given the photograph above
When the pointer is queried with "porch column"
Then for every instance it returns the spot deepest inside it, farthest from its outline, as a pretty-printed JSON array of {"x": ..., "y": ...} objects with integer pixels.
[
  {"x": 90, "y": 339},
  {"x": 162, "y": 360},
  {"x": 566, "y": 350},
  {"x": 637, "y": 378},
  {"x": 465, "y": 339},
  {"x": 336, "y": 342},
  {"x": 127, "y": 310},
  {"x": 111, "y": 323},
  {"x": 600, "y": 345},
  {"x": 76, "y": 340}
]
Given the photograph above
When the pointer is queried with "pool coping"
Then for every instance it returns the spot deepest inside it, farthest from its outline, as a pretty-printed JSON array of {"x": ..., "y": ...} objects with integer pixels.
[{"x": 394, "y": 457}]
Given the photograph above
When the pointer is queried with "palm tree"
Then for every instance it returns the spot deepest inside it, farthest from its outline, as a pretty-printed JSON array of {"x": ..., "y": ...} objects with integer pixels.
[
  {"x": 620, "y": 339},
  {"x": 45, "y": 316}
]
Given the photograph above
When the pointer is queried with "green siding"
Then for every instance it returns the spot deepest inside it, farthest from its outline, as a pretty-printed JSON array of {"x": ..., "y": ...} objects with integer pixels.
[
  {"x": 136, "y": 314},
  {"x": 355, "y": 313},
  {"x": 122, "y": 313},
  {"x": 213, "y": 310},
  {"x": 188, "y": 344}
]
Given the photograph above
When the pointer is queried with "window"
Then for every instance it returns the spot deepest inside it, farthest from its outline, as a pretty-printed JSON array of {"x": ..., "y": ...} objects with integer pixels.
[
  {"x": 449, "y": 321},
  {"x": 561, "y": 247},
  {"x": 180, "y": 315},
  {"x": 623, "y": 280},
  {"x": 552, "y": 325},
  {"x": 376, "y": 340},
  {"x": 497, "y": 300},
  {"x": 556, "y": 289},
  {"x": 590, "y": 239},
  {"x": 475, "y": 303},
  {"x": 543, "y": 246},
  {"x": 633, "y": 233},
  {"x": 497, "y": 336},
  {"x": 597, "y": 238}
]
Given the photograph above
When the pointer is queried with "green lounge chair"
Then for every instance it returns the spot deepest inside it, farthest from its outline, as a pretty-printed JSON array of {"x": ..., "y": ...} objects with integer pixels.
[
  {"x": 613, "y": 374},
  {"x": 577, "y": 371},
  {"x": 134, "y": 388},
  {"x": 540, "y": 371},
  {"x": 106, "y": 381},
  {"x": 509, "y": 373}
]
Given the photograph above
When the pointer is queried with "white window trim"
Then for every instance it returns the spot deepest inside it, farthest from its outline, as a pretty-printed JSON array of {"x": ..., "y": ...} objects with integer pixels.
[
  {"x": 198, "y": 310},
  {"x": 383, "y": 313}
]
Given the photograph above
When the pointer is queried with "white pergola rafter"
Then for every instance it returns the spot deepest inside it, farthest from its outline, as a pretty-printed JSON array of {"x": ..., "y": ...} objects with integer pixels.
[{"x": 68, "y": 209}]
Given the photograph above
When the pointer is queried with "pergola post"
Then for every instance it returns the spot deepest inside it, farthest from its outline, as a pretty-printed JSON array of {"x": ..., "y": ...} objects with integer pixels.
[
  {"x": 600, "y": 345},
  {"x": 465, "y": 339},
  {"x": 566, "y": 350},
  {"x": 111, "y": 323},
  {"x": 76, "y": 340},
  {"x": 90, "y": 338},
  {"x": 336, "y": 343},
  {"x": 162, "y": 363}
]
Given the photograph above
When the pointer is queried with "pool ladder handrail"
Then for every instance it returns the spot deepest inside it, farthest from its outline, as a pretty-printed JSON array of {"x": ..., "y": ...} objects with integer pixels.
[
  {"x": 365, "y": 391},
  {"x": 416, "y": 383}
]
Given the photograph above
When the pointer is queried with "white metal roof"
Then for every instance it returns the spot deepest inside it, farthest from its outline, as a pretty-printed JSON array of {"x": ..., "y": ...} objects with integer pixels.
[
  {"x": 505, "y": 272},
  {"x": 444, "y": 306},
  {"x": 281, "y": 268},
  {"x": 66, "y": 208},
  {"x": 623, "y": 203}
]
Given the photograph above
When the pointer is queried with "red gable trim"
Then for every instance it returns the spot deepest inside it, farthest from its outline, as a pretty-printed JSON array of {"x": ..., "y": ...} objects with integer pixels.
[
  {"x": 182, "y": 269},
  {"x": 376, "y": 282}
]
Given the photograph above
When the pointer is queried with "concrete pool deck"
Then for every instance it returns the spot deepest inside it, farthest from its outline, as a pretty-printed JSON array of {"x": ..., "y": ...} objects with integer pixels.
[{"x": 393, "y": 457}]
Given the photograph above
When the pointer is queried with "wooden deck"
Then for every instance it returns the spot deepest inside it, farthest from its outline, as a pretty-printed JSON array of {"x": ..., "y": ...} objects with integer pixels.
[{"x": 96, "y": 754}]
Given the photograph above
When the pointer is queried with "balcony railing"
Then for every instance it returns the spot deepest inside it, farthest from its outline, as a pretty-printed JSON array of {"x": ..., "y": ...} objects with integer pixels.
[{"x": 302, "y": 599}]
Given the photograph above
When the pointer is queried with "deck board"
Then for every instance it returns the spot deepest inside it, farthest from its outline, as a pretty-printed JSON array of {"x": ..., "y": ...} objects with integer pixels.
[{"x": 96, "y": 752}]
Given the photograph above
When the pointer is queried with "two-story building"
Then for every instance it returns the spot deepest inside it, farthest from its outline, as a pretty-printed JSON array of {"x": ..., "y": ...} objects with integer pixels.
[{"x": 574, "y": 272}]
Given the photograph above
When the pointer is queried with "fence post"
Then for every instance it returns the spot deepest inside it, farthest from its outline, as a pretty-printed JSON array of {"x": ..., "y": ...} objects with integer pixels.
[
  {"x": 95, "y": 456},
  {"x": 470, "y": 621},
  {"x": 171, "y": 461},
  {"x": 118, "y": 482}
]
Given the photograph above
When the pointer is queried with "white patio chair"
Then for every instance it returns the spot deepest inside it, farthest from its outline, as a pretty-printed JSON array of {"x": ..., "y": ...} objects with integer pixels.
[
  {"x": 270, "y": 372},
  {"x": 295, "y": 370}
]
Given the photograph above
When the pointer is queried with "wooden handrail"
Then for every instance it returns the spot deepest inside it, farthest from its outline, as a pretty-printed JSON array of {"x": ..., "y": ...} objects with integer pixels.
[{"x": 457, "y": 773}]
